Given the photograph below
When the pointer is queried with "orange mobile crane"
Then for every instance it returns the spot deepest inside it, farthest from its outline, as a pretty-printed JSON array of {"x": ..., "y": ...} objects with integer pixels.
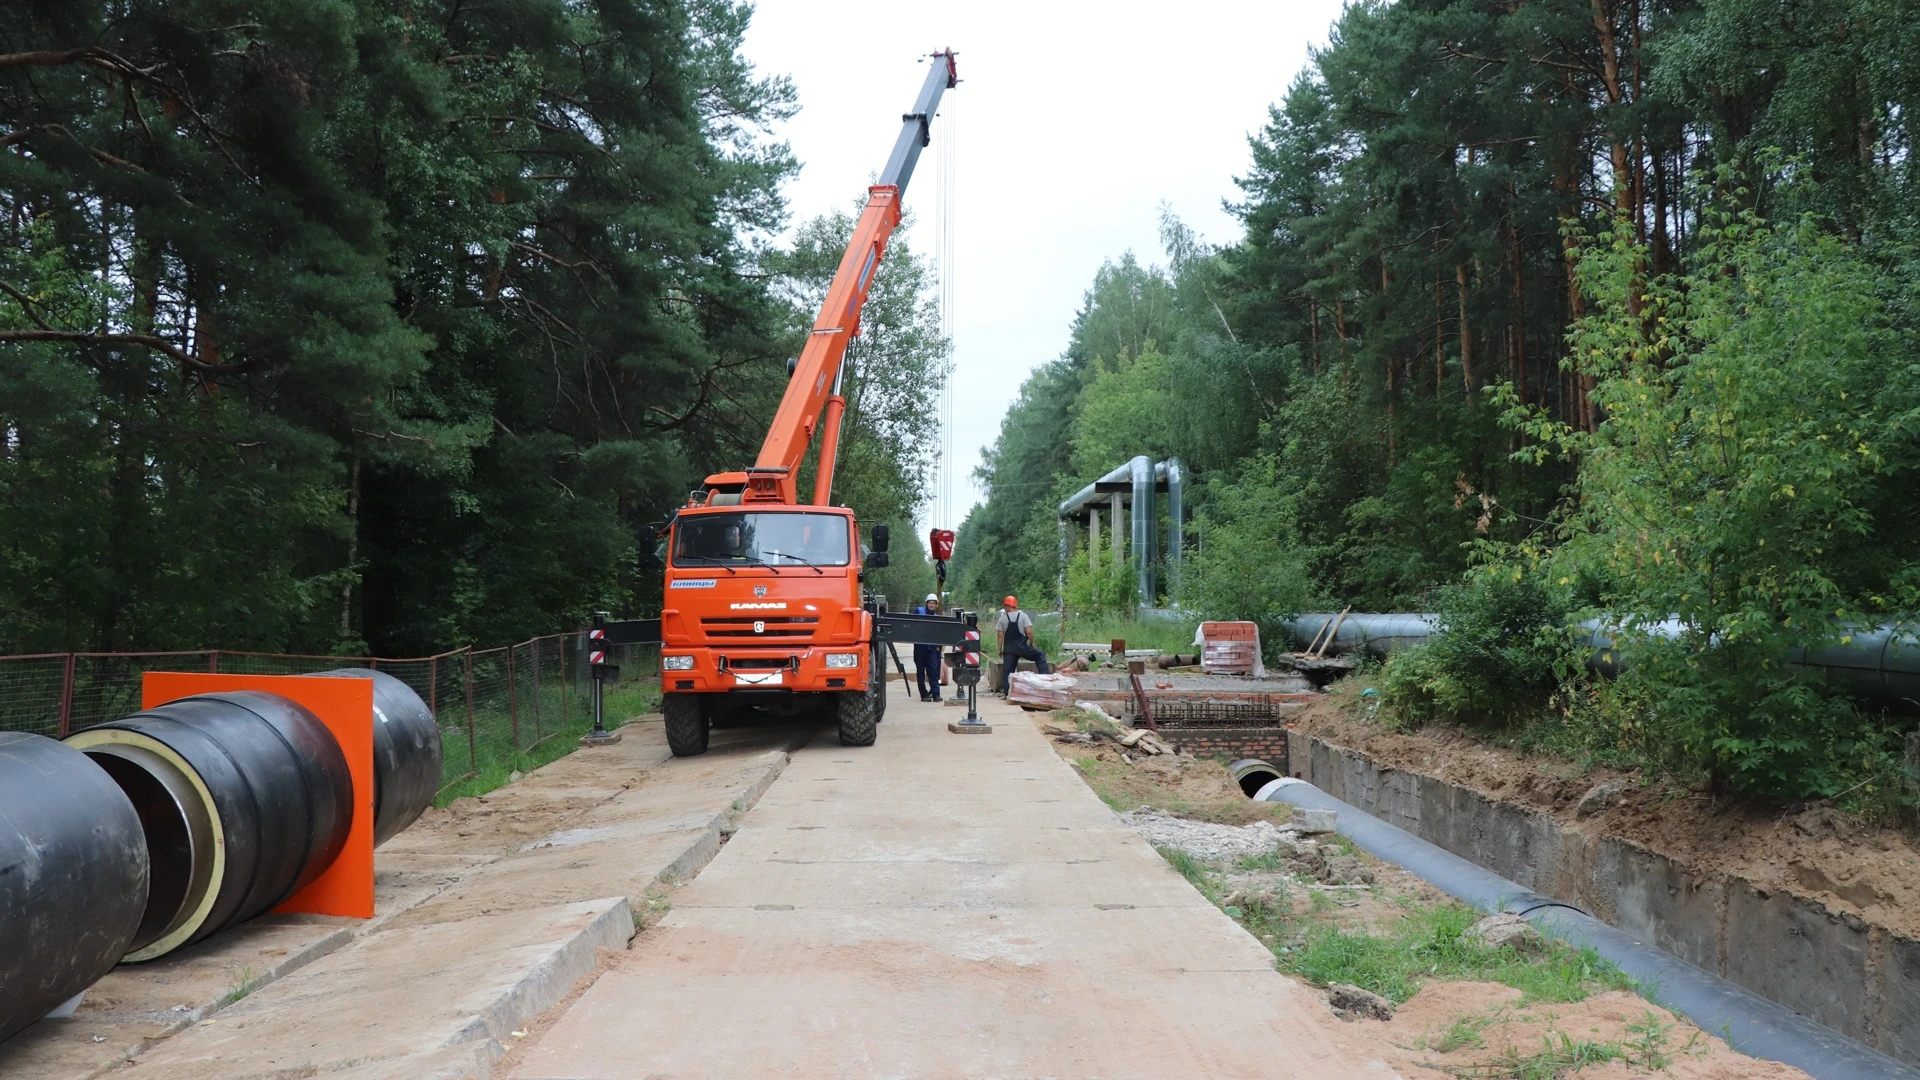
[{"x": 764, "y": 606}]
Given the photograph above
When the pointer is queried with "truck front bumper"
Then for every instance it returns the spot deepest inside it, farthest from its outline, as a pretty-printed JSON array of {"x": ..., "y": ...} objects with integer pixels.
[{"x": 775, "y": 670}]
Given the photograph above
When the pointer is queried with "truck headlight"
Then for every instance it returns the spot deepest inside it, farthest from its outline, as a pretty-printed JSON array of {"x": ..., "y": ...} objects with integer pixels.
[
  {"x": 843, "y": 659},
  {"x": 676, "y": 663}
]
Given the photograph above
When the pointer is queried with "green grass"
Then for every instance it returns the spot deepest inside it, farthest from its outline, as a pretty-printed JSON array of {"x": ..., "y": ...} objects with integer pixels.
[
  {"x": 1464, "y": 1033},
  {"x": 1266, "y": 861},
  {"x": 622, "y": 702},
  {"x": 1427, "y": 945},
  {"x": 1561, "y": 1055},
  {"x": 1167, "y": 636},
  {"x": 241, "y": 987},
  {"x": 1190, "y": 868}
]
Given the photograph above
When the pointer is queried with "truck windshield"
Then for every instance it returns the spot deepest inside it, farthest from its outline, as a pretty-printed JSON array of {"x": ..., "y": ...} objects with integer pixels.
[{"x": 775, "y": 539}]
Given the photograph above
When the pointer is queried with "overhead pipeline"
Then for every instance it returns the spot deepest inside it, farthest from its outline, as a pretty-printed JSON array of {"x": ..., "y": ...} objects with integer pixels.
[
  {"x": 1750, "y": 1023},
  {"x": 1879, "y": 663},
  {"x": 73, "y": 876}
]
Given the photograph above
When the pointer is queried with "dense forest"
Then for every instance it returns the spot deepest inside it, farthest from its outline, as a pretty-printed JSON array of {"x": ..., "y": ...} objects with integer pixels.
[
  {"x": 1543, "y": 311},
  {"x": 348, "y": 325}
]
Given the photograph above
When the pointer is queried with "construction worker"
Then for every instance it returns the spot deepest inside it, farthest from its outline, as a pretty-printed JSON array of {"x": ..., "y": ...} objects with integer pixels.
[
  {"x": 1014, "y": 629},
  {"x": 926, "y": 658}
]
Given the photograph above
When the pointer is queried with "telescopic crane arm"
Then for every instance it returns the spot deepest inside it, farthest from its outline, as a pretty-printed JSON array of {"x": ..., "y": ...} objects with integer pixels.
[{"x": 812, "y": 402}]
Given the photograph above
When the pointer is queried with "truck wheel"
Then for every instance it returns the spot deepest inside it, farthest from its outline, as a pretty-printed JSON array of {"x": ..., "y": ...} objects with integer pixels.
[
  {"x": 857, "y": 718},
  {"x": 686, "y": 716}
]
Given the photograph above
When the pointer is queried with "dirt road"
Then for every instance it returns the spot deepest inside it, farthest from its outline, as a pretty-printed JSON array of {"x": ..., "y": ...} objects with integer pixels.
[{"x": 942, "y": 905}]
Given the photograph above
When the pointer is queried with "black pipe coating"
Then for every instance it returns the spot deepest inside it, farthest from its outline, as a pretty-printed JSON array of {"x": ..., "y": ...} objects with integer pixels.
[
  {"x": 271, "y": 780},
  {"x": 73, "y": 876},
  {"x": 406, "y": 752}
]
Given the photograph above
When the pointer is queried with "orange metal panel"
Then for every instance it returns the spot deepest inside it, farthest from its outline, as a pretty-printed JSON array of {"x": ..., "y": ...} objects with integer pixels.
[{"x": 345, "y": 706}]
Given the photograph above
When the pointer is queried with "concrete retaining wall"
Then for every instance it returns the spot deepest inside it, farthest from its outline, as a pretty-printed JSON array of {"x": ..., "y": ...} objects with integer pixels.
[{"x": 1856, "y": 978}]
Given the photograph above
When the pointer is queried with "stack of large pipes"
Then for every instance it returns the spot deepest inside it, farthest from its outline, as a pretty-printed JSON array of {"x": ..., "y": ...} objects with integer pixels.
[{"x": 141, "y": 836}]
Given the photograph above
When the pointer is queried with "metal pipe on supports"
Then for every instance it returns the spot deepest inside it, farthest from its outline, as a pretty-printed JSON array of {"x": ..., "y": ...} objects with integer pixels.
[
  {"x": 1175, "y": 477},
  {"x": 1136, "y": 485},
  {"x": 1141, "y": 470},
  {"x": 1878, "y": 663}
]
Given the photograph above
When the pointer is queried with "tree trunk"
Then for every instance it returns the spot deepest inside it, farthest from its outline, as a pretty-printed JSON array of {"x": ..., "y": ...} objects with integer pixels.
[
  {"x": 353, "y": 548},
  {"x": 1466, "y": 332}
]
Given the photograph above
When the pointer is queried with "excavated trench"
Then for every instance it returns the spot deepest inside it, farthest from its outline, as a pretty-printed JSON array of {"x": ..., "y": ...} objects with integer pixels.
[{"x": 1856, "y": 978}]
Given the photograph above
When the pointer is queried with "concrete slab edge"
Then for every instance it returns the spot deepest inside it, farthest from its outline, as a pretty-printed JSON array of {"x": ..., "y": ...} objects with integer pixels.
[
  {"x": 548, "y": 982},
  {"x": 715, "y": 835},
  {"x": 321, "y": 947}
]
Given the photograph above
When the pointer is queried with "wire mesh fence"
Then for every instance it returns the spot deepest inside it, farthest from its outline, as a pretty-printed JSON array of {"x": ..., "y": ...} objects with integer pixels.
[{"x": 491, "y": 704}]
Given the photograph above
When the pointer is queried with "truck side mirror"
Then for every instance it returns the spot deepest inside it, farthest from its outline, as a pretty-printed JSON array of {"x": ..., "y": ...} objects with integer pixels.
[
  {"x": 880, "y": 537},
  {"x": 877, "y": 560}
]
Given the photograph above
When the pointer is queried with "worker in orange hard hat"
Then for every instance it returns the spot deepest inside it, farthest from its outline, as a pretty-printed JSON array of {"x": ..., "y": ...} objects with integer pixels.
[{"x": 1014, "y": 631}]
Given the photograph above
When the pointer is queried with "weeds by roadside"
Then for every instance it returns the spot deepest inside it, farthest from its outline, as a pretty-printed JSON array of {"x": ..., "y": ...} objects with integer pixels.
[{"x": 623, "y": 702}]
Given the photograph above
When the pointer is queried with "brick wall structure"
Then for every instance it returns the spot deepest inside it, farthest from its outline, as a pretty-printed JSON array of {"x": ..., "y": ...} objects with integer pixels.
[{"x": 1269, "y": 744}]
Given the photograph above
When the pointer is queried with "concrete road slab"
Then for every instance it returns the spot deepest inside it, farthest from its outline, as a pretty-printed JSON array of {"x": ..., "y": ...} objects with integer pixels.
[
  {"x": 942, "y": 905},
  {"x": 460, "y": 986}
]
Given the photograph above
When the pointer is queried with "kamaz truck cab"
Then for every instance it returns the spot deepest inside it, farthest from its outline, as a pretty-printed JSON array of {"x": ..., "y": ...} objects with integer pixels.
[{"x": 764, "y": 609}]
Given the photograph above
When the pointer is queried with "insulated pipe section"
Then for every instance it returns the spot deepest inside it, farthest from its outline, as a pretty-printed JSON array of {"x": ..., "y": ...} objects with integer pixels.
[
  {"x": 244, "y": 798},
  {"x": 73, "y": 876},
  {"x": 1880, "y": 663},
  {"x": 1175, "y": 476},
  {"x": 406, "y": 752},
  {"x": 1750, "y": 1023},
  {"x": 1377, "y": 634},
  {"x": 1140, "y": 469}
]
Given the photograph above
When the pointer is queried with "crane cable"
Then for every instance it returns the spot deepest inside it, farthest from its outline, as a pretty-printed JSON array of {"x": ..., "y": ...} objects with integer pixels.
[{"x": 943, "y": 256}]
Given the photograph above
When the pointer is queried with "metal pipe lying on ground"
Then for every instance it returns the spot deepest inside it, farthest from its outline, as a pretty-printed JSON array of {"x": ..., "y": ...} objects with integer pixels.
[
  {"x": 1750, "y": 1023},
  {"x": 73, "y": 876},
  {"x": 245, "y": 799},
  {"x": 406, "y": 752}
]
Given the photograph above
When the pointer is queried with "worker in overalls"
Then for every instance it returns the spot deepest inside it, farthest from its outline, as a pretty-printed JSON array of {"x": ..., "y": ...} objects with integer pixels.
[
  {"x": 1014, "y": 628},
  {"x": 926, "y": 658}
]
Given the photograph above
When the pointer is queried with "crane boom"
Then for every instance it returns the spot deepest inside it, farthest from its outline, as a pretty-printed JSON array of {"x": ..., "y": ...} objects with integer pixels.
[{"x": 812, "y": 403}]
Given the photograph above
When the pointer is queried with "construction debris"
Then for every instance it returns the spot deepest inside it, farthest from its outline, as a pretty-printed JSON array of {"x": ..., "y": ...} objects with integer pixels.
[
  {"x": 1314, "y": 819},
  {"x": 1218, "y": 845},
  {"x": 1053, "y": 691},
  {"x": 1352, "y": 1003},
  {"x": 1506, "y": 928}
]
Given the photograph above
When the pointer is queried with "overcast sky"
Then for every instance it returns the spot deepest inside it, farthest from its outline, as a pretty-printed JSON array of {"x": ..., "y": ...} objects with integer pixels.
[{"x": 1075, "y": 121}]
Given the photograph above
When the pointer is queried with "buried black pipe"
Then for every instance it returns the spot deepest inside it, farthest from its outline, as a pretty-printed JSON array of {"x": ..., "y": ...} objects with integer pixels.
[
  {"x": 73, "y": 876},
  {"x": 1750, "y": 1023},
  {"x": 246, "y": 800}
]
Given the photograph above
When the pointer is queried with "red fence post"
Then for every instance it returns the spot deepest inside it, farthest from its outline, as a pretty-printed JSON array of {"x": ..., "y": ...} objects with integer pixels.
[
  {"x": 513, "y": 701},
  {"x": 213, "y": 662},
  {"x": 563, "y": 681},
  {"x": 433, "y": 686},
  {"x": 66, "y": 699},
  {"x": 536, "y": 690}
]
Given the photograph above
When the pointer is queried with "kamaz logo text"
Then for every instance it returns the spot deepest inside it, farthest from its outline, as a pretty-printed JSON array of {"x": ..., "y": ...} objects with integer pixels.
[{"x": 771, "y": 605}]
